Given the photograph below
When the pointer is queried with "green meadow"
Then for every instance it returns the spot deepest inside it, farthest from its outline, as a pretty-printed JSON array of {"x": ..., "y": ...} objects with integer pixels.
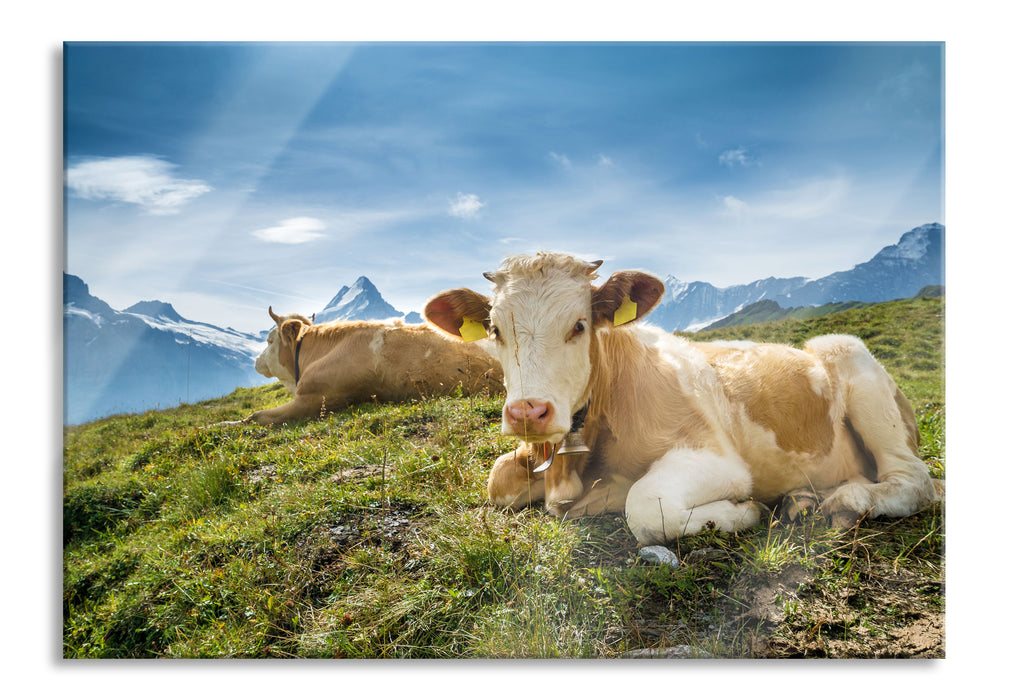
[{"x": 367, "y": 534}]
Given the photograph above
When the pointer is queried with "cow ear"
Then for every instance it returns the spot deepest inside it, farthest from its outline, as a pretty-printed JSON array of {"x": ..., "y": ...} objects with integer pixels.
[
  {"x": 626, "y": 296},
  {"x": 449, "y": 310},
  {"x": 290, "y": 330}
]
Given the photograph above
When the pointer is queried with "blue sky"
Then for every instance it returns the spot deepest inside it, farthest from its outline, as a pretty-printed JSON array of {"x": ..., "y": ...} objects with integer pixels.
[{"x": 226, "y": 178}]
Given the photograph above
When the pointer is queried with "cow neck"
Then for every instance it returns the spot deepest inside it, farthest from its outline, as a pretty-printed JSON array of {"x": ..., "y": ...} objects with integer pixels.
[
  {"x": 297, "y": 356},
  {"x": 599, "y": 376}
]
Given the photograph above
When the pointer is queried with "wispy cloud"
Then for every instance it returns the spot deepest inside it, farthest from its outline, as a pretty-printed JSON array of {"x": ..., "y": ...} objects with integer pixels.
[
  {"x": 605, "y": 161},
  {"x": 465, "y": 206},
  {"x": 819, "y": 197},
  {"x": 734, "y": 205},
  {"x": 737, "y": 156},
  {"x": 300, "y": 229},
  {"x": 146, "y": 181},
  {"x": 560, "y": 159}
]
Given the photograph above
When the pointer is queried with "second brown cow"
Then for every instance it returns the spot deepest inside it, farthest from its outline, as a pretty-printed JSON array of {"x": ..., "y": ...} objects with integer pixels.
[{"x": 330, "y": 366}]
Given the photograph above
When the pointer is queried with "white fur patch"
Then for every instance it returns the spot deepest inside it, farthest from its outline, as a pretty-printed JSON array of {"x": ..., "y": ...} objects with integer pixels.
[{"x": 378, "y": 341}]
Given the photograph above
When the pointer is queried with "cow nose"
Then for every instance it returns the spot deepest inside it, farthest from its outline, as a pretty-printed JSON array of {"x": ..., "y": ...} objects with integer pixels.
[{"x": 527, "y": 416}]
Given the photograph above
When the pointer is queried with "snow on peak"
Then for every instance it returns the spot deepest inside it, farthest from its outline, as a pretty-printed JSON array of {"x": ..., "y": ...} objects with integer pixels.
[{"x": 675, "y": 288}]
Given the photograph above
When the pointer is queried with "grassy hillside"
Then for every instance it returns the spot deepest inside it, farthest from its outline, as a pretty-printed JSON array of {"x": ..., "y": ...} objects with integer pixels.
[
  {"x": 368, "y": 534},
  {"x": 766, "y": 310}
]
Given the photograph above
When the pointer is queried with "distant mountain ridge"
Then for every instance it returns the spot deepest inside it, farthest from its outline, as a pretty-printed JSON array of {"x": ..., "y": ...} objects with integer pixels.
[
  {"x": 767, "y": 310},
  {"x": 148, "y": 356},
  {"x": 145, "y": 357},
  {"x": 897, "y": 271}
]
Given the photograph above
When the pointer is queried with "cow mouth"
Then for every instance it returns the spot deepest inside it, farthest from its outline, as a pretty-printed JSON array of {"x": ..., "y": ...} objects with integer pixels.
[{"x": 546, "y": 438}]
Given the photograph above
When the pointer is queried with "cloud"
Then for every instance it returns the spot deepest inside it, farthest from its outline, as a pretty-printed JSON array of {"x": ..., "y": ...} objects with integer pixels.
[
  {"x": 734, "y": 205},
  {"x": 300, "y": 229},
  {"x": 605, "y": 161},
  {"x": 735, "y": 157},
  {"x": 465, "y": 206},
  {"x": 560, "y": 159},
  {"x": 814, "y": 199},
  {"x": 146, "y": 181}
]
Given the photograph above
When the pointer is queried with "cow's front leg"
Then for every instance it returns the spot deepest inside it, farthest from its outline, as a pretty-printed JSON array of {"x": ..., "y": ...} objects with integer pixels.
[
  {"x": 512, "y": 482},
  {"x": 301, "y": 407},
  {"x": 563, "y": 483},
  {"x": 607, "y": 495},
  {"x": 686, "y": 491}
]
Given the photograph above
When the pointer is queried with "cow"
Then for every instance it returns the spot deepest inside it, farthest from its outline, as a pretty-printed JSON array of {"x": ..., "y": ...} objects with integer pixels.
[
  {"x": 679, "y": 435},
  {"x": 330, "y": 366}
]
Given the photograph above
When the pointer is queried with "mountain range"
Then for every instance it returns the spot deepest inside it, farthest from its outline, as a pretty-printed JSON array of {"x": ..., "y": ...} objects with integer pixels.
[
  {"x": 896, "y": 272},
  {"x": 148, "y": 356},
  {"x": 144, "y": 357}
]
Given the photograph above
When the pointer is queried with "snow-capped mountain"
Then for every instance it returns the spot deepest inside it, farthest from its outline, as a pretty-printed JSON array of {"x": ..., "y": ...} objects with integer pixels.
[
  {"x": 897, "y": 271},
  {"x": 696, "y": 304},
  {"x": 359, "y": 302},
  {"x": 145, "y": 357}
]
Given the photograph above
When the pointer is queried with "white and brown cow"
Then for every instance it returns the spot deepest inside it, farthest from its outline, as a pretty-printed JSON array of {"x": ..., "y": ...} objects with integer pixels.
[
  {"x": 681, "y": 435},
  {"x": 332, "y": 365}
]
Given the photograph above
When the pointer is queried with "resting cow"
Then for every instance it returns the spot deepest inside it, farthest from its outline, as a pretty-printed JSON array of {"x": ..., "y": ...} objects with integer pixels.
[
  {"x": 332, "y": 365},
  {"x": 680, "y": 435}
]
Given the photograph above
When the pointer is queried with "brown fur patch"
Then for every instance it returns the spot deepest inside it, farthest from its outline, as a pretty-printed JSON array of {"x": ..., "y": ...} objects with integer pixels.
[{"x": 772, "y": 382}]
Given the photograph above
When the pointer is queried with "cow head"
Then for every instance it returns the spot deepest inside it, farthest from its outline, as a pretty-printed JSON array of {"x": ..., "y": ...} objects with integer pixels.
[
  {"x": 542, "y": 318},
  {"x": 279, "y": 343}
]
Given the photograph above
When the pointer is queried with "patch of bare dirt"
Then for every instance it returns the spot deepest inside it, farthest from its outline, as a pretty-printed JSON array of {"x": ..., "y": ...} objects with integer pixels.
[
  {"x": 324, "y": 548},
  {"x": 878, "y": 614}
]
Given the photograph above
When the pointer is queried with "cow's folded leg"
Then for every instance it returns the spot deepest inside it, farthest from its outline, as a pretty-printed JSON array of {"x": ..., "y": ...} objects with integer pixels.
[
  {"x": 512, "y": 482},
  {"x": 882, "y": 420},
  {"x": 687, "y": 491},
  {"x": 301, "y": 407},
  {"x": 563, "y": 483},
  {"x": 604, "y": 496}
]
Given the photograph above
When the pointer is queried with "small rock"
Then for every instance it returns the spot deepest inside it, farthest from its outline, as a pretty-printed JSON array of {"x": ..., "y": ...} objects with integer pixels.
[{"x": 657, "y": 554}]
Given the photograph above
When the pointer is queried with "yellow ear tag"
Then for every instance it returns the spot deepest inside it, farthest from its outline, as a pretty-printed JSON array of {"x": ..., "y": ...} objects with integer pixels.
[
  {"x": 628, "y": 311},
  {"x": 471, "y": 330}
]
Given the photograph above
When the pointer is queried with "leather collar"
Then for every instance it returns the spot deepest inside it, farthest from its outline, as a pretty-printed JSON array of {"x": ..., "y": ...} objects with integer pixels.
[{"x": 297, "y": 369}]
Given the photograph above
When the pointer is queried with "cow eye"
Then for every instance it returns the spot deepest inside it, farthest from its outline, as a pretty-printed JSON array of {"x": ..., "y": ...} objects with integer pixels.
[
  {"x": 495, "y": 332},
  {"x": 578, "y": 329}
]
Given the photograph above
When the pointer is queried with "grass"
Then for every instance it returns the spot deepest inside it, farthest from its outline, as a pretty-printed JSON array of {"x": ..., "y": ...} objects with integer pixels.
[{"x": 367, "y": 534}]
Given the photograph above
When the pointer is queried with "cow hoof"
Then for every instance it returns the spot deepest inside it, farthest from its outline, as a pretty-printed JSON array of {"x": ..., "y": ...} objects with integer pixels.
[
  {"x": 798, "y": 505},
  {"x": 559, "y": 509},
  {"x": 844, "y": 519}
]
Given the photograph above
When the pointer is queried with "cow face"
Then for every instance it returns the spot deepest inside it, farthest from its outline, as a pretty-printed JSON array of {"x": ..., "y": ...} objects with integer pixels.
[
  {"x": 268, "y": 363},
  {"x": 541, "y": 320}
]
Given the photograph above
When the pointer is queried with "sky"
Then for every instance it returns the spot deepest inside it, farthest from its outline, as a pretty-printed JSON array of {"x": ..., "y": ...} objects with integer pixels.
[{"x": 225, "y": 178}]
